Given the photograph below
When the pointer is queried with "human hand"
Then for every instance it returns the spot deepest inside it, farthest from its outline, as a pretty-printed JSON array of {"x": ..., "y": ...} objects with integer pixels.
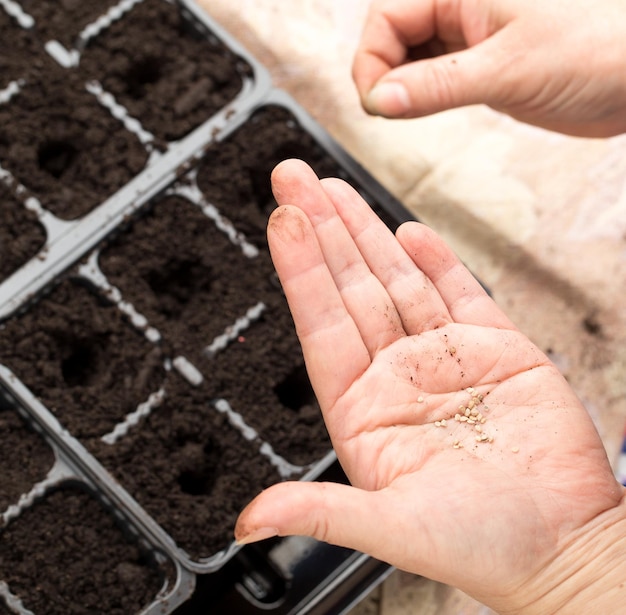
[
  {"x": 395, "y": 331},
  {"x": 560, "y": 65}
]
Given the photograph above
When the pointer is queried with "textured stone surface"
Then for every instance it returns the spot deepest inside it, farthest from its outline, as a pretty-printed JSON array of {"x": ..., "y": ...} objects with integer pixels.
[{"x": 539, "y": 217}]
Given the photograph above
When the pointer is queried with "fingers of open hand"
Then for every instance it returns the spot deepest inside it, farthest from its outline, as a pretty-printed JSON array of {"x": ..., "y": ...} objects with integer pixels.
[
  {"x": 361, "y": 292},
  {"x": 464, "y": 297},
  {"x": 416, "y": 299},
  {"x": 318, "y": 310}
]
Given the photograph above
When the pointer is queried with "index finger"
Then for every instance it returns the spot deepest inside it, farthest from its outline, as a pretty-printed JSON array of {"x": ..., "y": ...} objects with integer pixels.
[{"x": 334, "y": 351}]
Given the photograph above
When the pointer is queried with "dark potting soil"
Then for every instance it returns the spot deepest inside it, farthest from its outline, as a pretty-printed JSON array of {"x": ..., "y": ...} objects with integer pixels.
[
  {"x": 184, "y": 275},
  {"x": 63, "y": 20},
  {"x": 21, "y": 234},
  {"x": 189, "y": 468},
  {"x": 66, "y": 556},
  {"x": 20, "y": 53},
  {"x": 25, "y": 457},
  {"x": 82, "y": 359},
  {"x": 66, "y": 148},
  {"x": 167, "y": 74},
  {"x": 234, "y": 173},
  {"x": 193, "y": 284}
]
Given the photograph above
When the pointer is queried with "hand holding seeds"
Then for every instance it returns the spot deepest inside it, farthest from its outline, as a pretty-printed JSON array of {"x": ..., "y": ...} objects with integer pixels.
[{"x": 471, "y": 460}]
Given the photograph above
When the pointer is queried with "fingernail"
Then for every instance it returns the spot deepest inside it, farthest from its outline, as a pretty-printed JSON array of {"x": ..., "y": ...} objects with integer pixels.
[
  {"x": 259, "y": 534},
  {"x": 389, "y": 98}
]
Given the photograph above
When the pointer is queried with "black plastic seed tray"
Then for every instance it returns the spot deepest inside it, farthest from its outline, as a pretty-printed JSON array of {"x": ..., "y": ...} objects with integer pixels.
[{"x": 144, "y": 336}]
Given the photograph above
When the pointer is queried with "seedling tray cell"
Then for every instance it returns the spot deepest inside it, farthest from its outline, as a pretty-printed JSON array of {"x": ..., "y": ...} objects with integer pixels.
[
  {"x": 171, "y": 78},
  {"x": 65, "y": 147},
  {"x": 66, "y": 554},
  {"x": 75, "y": 351},
  {"x": 184, "y": 275}
]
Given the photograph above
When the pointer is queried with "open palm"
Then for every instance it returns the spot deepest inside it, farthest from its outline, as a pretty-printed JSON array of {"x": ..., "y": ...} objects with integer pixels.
[{"x": 470, "y": 459}]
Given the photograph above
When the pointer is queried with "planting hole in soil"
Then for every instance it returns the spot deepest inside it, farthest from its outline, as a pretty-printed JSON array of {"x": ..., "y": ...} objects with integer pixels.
[
  {"x": 295, "y": 390},
  {"x": 170, "y": 78},
  {"x": 82, "y": 359},
  {"x": 66, "y": 148},
  {"x": 56, "y": 157}
]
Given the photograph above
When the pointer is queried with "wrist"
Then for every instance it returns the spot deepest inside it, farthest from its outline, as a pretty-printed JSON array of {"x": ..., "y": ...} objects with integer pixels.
[{"x": 588, "y": 575}]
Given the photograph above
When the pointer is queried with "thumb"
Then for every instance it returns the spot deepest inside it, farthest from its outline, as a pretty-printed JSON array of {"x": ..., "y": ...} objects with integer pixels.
[
  {"x": 330, "y": 512},
  {"x": 471, "y": 76}
]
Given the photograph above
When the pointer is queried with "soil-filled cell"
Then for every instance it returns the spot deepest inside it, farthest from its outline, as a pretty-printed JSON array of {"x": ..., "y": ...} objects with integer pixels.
[
  {"x": 63, "y": 20},
  {"x": 25, "y": 457},
  {"x": 80, "y": 357},
  {"x": 21, "y": 234},
  {"x": 262, "y": 376},
  {"x": 67, "y": 556},
  {"x": 184, "y": 275},
  {"x": 66, "y": 148},
  {"x": 235, "y": 173},
  {"x": 189, "y": 469},
  {"x": 171, "y": 78}
]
